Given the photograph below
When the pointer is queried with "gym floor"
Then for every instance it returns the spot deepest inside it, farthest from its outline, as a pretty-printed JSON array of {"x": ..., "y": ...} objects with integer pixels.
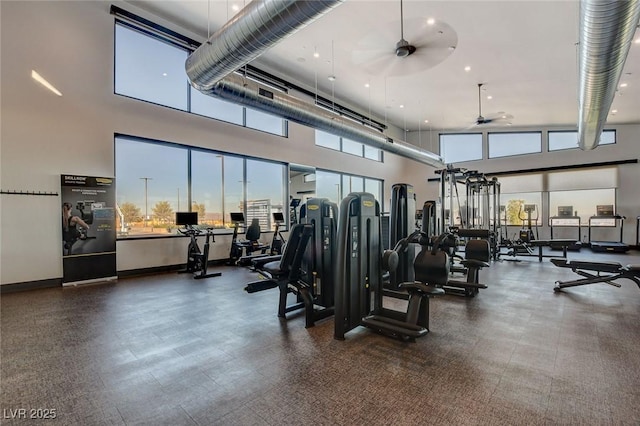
[{"x": 171, "y": 350}]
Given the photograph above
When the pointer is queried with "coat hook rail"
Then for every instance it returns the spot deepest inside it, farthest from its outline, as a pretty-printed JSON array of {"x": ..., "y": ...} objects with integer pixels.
[{"x": 14, "y": 192}]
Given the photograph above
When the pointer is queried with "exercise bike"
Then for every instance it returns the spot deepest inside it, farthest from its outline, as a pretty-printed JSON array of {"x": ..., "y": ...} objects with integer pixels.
[{"x": 197, "y": 260}]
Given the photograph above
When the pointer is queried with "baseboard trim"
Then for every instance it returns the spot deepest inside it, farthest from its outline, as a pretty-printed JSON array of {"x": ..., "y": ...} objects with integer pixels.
[
  {"x": 163, "y": 269},
  {"x": 31, "y": 285}
]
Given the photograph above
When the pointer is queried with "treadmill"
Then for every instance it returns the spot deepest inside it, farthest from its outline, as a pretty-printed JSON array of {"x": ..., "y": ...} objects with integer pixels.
[{"x": 605, "y": 217}]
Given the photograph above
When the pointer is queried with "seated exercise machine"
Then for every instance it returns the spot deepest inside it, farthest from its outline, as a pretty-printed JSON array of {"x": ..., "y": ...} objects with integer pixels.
[
  {"x": 275, "y": 249},
  {"x": 197, "y": 261},
  {"x": 477, "y": 253},
  {"x": 288, "y": 268},
  {"x": 359, "y": 265},
  {"x": 250, "y": 244},
  {"x": 314, "y": 290},
  {"x": 597, "y": 272}
]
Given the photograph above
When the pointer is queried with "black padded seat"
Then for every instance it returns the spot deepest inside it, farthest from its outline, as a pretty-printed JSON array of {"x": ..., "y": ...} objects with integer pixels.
[
  {"x": 595, "y": 266},
  {"x": 474, "y": 263},
  {"x": 421, "y": 289}
]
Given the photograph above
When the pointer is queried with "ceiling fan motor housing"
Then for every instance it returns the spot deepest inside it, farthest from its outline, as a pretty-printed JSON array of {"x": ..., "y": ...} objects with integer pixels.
[{"x": 404, "y": 49}]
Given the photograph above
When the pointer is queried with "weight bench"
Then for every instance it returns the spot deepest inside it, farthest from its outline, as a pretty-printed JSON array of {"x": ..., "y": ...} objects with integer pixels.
[{"x": 597, "y": 272}]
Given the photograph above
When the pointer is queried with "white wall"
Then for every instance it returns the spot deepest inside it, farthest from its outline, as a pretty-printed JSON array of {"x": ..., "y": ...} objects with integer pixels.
[
  {"x": 627, "y": 147},
  {"x": 43, "y": 135}
]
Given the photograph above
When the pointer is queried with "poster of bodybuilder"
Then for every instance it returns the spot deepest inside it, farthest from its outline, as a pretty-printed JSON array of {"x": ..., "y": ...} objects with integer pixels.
[{"x": 88, "y": 228}]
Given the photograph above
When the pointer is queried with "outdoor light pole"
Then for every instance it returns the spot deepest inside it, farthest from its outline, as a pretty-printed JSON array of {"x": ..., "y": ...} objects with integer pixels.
[{"x": 146, "y": 205}]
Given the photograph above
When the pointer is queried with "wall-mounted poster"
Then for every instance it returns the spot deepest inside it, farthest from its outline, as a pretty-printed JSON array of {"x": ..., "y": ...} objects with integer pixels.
[{"x": 88, "y": 229}]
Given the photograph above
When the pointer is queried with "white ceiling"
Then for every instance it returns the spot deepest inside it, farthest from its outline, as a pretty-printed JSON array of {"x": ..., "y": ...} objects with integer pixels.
[{"x": 523, "y": 51}]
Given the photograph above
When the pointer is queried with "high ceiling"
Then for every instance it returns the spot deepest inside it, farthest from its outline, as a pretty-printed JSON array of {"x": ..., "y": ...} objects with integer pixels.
[{"x": 523, "y": 51}]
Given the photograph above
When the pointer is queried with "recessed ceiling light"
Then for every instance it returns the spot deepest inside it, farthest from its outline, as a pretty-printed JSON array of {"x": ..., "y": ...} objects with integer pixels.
[
  {"x": 431, "y": 21},
  {"x": 614, "y": 111},
  {"x": 637, "y": 41},
  {"x": 332, "y": 78},
  {"x": 504, "y": 116},
  {"x": 401, "y": 106},
  {"x": 40, "y": 79},
  {"x": 426, "y": 121},
  {"x": 489, "y": 97},
  {"x": 316, "y": 55},
  {"x": 467, "y": 68},
  {"x": 366, "y": 85},
  {"x": 623, "y": 85},
  {"x": 235, "y": 7},
  {"x": 164, "y": 74}
]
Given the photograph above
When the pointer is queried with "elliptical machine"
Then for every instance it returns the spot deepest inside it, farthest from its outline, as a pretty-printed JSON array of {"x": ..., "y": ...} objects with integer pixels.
[
  {"x": 197, "y": 261},
  {"x": 526, "y": 234}
]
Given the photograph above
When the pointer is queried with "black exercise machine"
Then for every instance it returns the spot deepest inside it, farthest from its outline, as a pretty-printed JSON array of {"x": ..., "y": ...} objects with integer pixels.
[
  {"x": 597, "y": 272},
  {"x": 288, "y": 268},
  {"x": 565, "y": 219},
  {"x": 250, "y": 244},
  {"x": 197, "y": 260},
  {"x": 314, "y": 291},
  {"x": 401, "y": 225},
  {"x": 526, "y": 233},
  {"x": 277, "y": 243},
  {"x": 605, "y": 217},
  {"x": 359, "y": 266}
]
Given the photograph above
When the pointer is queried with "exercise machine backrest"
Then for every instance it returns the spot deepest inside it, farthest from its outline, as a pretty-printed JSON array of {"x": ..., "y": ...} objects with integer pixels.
[
  {"x": 253, "y": 231},
  {"x": 432, "y": 265},
  {"x": 401, "y": 225},
  {"x": 292, "y": 245}
]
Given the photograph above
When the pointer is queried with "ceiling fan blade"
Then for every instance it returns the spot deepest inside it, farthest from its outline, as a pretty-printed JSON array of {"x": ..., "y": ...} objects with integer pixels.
[
  {"x": 438, "y": 35},
  {"x": 434, "y": 43}
]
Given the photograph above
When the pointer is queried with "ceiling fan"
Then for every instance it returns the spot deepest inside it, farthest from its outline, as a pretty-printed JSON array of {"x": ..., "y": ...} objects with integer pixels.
[
  {"x": 428, "y": 43},
  {"x": 497, "y": 118}
]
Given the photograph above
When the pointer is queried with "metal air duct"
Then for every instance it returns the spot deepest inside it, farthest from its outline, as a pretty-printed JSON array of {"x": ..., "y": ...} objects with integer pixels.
[
  {"x": 257, "y": 27},
  {"x": 237, "y": 89},
  {"x": 606, "y": 32}
]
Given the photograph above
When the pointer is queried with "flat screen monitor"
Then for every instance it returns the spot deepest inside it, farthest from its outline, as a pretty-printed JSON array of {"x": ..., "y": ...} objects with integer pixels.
[
  {"x": 529, "y": 208},
  {"x": 605, "y": 210},
  {"x": 186, "y": 218},
  {"x": 295, "y": 202},
  {"x": 278, "y": 217},
  {"x": 237, "y": 217},
  {"x": 565, "y": 211}
]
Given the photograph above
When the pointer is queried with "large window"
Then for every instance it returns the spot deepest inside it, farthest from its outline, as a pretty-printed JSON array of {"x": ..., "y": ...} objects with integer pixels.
[
  {"x": 155, "y": 180},
  {"x": 348, "y": 146},
  {"x": 518, "y": 191},
  {"x": 216, "y": 108},
  {"x": 336, "y": 186},
  {"x": 455, "y": 148},
  {"x": 582, "y": 191},
  {"x": 149, "y": 69},
  {"x": 265, "y": 192},
  {"x": 569, "y": 139},
  {"x": 508, "y": 144},
  {"x": 152, "y": 69}
]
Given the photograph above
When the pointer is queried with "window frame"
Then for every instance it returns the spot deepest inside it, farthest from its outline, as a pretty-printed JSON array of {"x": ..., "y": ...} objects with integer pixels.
[
  {"x": 440, "y": 136},
  {"x": 549, "y": 132},
  {"x": 538, "y": 132},
  {"x": 189, "y": 150}
]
